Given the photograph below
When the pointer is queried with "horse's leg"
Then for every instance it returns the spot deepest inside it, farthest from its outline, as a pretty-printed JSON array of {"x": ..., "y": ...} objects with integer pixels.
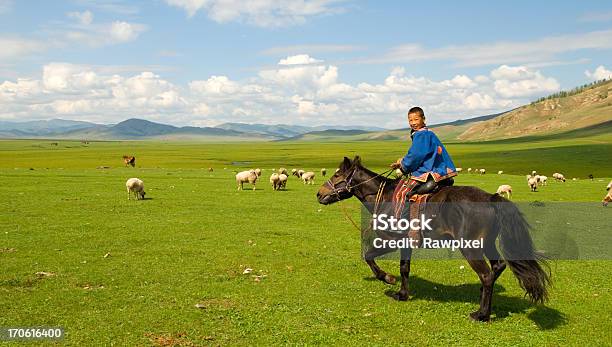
[
  {"x": 378, "y": 272},
  {"x": 497, "y": 264},
  {"x": 476, "y": 260},
  {"x": 406, "y": 254}
]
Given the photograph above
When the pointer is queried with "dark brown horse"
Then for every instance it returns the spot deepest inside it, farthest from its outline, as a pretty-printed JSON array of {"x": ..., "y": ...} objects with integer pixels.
[{"x": 468, "y": 213}]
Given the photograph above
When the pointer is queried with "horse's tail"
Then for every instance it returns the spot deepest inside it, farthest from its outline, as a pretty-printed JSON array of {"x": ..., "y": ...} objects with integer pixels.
[{"x": 528, "y": 265}]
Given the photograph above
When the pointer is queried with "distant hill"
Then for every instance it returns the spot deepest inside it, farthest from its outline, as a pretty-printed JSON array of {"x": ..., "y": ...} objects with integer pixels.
[
  {"x": 41, "y": 127},
  {"x": 563, "y": 112}
]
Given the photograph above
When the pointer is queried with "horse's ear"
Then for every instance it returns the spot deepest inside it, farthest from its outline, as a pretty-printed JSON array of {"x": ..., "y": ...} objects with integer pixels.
[
  {"x": 357, "y": 161},
  {"x": 346, "y": 163}
]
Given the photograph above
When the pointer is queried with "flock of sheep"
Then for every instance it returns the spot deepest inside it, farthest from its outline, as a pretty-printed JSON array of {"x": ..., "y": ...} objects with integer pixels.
[{"x": 278, "y": 178}]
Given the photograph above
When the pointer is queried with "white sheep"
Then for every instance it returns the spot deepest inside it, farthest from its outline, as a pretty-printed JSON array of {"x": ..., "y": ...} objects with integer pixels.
[
  {"x": 469, "y": 170},
  {"x": 274, "y": 179},
  {"x": 533, "y": 173},
  {"x": 323, "y": 172},
  {"x": 500, "y": 172},
  {"x": 482, "y": 171},
  {"x": 282, "y": 170},
  {"x": 300, "y": 173},
  {"x": 308, "y": 177},
  {"x": 136, "y": 186},
  {"x": 458, "y": 169},
  {"x": 248, "y": 176},
  {"x": 532, "y": 182},
  {"x": 282, "y": 181},
  {"x": 505, "y": 188},
  {"x": 558, "y": 177},
  {"x": 543, "y": 180},
  {"x": 294, "y": 172},
  {"x": 258, "y": 172}
]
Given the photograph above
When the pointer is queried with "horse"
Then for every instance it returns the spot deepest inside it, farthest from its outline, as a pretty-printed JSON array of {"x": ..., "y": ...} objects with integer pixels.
[
  {"x": 469, "y": 213},
  {"x": 129, "y": 160}
]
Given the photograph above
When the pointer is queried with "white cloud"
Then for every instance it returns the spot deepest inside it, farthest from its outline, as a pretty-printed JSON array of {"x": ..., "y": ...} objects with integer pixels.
[
  {"x": 262, "y": 13},
  {"x": 521, "y": 81},
  {"x": 84, "y": 18},
  {"x": 600, "y": 73},
  {"x": 13, "y": 48},
  {"x": 124, "y": 31},
  {"x": 495, "y": 53},
  {"x": 301, "y": 90}
]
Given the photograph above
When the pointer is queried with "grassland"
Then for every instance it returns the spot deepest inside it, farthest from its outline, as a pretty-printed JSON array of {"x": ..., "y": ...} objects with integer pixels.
[{"x": 131, "y": 272}]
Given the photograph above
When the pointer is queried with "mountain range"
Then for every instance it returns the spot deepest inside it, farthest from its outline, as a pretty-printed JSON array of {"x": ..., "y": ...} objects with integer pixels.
[{"x": 585, "y": 106}]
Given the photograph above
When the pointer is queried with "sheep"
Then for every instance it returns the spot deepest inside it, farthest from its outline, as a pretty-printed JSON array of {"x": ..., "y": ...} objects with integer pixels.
[
  {"x": 293, "y": 172},
  {"x": 458, "y": 169},
  {"x": 300, "y": 173},
  {"x": 296, "y": 172},
  {"x": 136, "y": 186},
  {"x": 505, "y": 188},
  {"x": 246, "y": 176},
  {"x": 607, "y": 198},
  {"x": 282, "y": 170},
  {"x": 258, "y": 172},
  {"x": 559, "y": 177},
  {"x": 533, "y": 173},
  {"x": 129, "y": 160},
  {"x": 210, "y": 169},
  {"x": 543, "y": 180},
  {"x": 282, "y": 181},
  {"x": 308, "y": 177},
  {"x": 469, "y": 170},
  {"x": 532, "y": 182},
  {"x": 500, "y": 172},
  {"x": 482, "y": 171},
  {"x": 274, "y": 179},
  {"x": 323, "y": 172}
]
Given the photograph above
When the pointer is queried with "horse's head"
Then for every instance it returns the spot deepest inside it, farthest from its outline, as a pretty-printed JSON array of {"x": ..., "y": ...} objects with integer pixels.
[{"x": 338, "y": 187}]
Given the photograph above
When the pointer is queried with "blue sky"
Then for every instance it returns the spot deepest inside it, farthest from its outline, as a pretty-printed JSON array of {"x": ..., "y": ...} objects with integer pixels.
[{"x": 205, "y": 62}]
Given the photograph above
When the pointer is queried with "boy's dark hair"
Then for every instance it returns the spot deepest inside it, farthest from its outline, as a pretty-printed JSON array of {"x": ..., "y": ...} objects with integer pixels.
[{"x": 418, "y": 111}]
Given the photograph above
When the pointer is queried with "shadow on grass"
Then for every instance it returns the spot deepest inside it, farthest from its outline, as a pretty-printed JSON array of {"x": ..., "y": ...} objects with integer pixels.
[{"x": 502, "y": 306}]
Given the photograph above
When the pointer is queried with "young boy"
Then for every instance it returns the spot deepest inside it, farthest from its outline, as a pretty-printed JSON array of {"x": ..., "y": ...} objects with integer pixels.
[{"x": 427, "y": 161}]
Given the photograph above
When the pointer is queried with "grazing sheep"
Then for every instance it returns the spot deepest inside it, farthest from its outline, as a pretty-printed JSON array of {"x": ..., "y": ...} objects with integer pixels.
[
  {"x": 246, "y": 177},
  {"x": 300, "y": 173},
  {"x": 482, "y": 171},
  {"x": 274, "y": 179},
  {"x": 323, "y": 172},
  {"x": 543, "y": 180},
  {"x": 282, "y": 181},
  {"x": 458, "y": 169},
  {"x": 533, "y": 173},
  {"x": 282, "y": 170},
  {"x": 308, "y": 177},
  {"x": 505, "y": 188},
  {"x": 469, "y": 170},
  {"x": 500, "y": 172},
  {"x": 136, "y": 186},
  {"x": 210, "y": 169},
  {"x": 558, "y": 177},
  {"x": 294, "y": 172},
  {"x": 532, "y": 182},
  {"x": 258, "y": 172},
  {"x": 607, "y": 199}
]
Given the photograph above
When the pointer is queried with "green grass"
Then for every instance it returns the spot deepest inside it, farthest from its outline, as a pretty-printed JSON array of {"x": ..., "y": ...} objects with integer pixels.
[{"x": 190, "y": 242}]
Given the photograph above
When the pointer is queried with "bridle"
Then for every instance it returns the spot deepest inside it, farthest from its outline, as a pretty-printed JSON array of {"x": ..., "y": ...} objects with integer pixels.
[{"x": 349, "y": 178}]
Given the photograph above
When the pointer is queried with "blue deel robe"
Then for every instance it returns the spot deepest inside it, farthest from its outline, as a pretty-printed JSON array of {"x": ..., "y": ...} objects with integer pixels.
[{"x": 427, "y": 156}]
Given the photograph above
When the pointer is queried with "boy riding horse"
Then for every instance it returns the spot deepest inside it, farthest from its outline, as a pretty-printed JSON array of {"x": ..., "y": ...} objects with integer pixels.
[{"x": 427, "y": 162}]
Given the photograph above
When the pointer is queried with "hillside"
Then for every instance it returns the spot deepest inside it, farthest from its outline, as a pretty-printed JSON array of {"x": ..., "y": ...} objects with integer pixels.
[{"x": 552, "y": 115}]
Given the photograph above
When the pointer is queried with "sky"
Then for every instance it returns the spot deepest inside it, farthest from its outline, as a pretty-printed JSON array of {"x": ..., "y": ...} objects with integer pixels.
[{"x": 302, "y": 62}]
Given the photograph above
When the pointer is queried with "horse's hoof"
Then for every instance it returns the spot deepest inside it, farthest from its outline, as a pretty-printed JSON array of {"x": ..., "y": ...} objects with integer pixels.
[
  {"x": 389, "y": 279},
  {"x": 479, "y": 317},
  {"x": 399, "y": 296}
]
